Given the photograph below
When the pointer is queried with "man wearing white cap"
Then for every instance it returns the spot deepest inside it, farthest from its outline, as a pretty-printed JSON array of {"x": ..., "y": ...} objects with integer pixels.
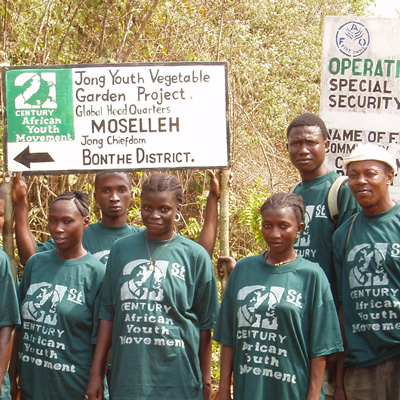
[{"x": 367, "y": 262}]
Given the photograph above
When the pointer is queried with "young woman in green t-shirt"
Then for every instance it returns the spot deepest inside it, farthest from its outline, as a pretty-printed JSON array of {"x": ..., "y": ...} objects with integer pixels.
[
  {"x": 277, "y": 321},
  {"x": 159, "y": 304},
  {"x": 59, "y": 297}
]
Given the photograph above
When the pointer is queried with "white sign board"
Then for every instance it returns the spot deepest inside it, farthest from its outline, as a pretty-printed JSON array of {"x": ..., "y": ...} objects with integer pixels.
[
  {"x": 360, "y": 86},
  {"x": 115, "y": 117}
]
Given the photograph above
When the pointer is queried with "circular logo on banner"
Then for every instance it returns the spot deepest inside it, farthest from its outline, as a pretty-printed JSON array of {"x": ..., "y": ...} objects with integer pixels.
[{"x": 352, "y": 39}]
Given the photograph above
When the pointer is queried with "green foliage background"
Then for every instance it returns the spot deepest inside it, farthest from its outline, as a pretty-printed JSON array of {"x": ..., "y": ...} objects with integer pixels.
[{"x": 273, "y": 49}]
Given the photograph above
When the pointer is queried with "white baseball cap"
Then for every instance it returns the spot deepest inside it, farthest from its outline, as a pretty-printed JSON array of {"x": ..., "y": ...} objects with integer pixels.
[{"x": 369, "y": 151}]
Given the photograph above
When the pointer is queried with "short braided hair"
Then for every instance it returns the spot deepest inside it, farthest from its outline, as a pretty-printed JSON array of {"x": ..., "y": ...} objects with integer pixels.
[
  {"x": 80, "y": 199},
  {"x": 161, "y": 182},
  {"x": 286, "y": 200}
]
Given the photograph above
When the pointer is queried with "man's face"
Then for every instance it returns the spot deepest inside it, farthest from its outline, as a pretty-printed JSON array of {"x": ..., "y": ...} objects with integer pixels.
[
  {"x": 113, "y": 195},
  {"x": 307, "y": 148},
  {"x": 369, "y": 182}
]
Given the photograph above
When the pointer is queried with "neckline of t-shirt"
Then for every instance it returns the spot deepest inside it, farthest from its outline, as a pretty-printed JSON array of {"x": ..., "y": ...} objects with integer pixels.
[
  {"x": 319, "y": 179},
  {"x": 281, "y": 269},
  {"x": 160, "y": 242},
  {"x": 73, "y": 261},
  {"x": 113, "y": 228},
  {"x": 384, "y": 214}
]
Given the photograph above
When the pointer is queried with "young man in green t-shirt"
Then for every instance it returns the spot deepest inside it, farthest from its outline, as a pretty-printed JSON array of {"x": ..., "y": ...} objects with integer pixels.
[
  {"x": 367, "y": 262},
  {"x": 307, "y": 146}
]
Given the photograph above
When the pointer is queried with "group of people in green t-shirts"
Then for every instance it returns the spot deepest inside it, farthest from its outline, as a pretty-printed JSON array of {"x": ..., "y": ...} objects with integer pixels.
[
  {"x": 108, "y": 310},
  {"x": 300, "y": 355}
]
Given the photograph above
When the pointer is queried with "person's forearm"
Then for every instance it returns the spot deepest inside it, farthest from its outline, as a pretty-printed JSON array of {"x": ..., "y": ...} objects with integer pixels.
[
  {"x": 208, "y": 235},
  {"x": 226, "y": 368},
  {"x": 205, "y": 350},
  {"x": 317, "y": 369},
  {"x": 24, "y": 238},
  {"x": 340, "y": 392},
  {"x": 12, "y": 370},
  {"x": 6, "y": 336},
  {"x": 100, "y": 360}
]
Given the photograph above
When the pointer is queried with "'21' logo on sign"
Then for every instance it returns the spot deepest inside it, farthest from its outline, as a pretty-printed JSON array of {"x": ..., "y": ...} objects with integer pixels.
[{"x": 38, "y": 90}]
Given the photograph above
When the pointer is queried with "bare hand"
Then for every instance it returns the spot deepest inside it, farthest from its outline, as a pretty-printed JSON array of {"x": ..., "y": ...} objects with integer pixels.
[
  {"x": 339, "y": 394},
  {"x": 14, "y": 389},
  {"x": 20, "y": 189},
  {"x": 95, "y": 389},
  {"x": 224, "y": 395},
  {"x": 230, "y": 264},
  {"x": 215, "y": 183}
]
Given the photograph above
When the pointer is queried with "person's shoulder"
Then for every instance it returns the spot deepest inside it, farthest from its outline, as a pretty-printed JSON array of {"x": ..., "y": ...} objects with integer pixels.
[
  {"x": 191, "y": 245},
  {"x": 38, "y": 260},
  {"x": 42, "y": 255},
  {"x": 135, "y": 229},
  {"x": 5, "y": 264},
  {"x": 344, "y": 189},
  {"x": 344, "y": 228},
  {"x": 128, "y": 239},
  {"x": 3, "y": 256},
  {"x": 247, "y": 262},
  {"x": 312, "y": 270},
  {"x": 92, "y": 263},
  {"x": 312, "y": 267},
  {"x": 341, "y": 235}
]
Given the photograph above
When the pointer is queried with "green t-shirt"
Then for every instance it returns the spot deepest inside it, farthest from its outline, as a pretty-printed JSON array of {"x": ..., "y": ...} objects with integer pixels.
[
  {"x": 59, "y": 302},
  {"x": 315, "y": 242},
  {"x": 368, "y": 273},
  {"x": 157, "y": 315},
  {"x": 97, "y": 239},
  {"x": 9, "y": 310},
  {"x": 276, "y": 318}
]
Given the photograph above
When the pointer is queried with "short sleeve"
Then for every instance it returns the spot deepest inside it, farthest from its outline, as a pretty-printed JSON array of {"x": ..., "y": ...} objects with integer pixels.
[
  {"x": 45, "y": 246},
  {"x": 325, "y": 330},
  {"x": 338, "y": 249},
  {"x": 347, "y": 204},
  {"x": 206, "y": 303},
  {"x": 9, "y": 310},
  {"x": 223, "y": 331},
  {"x": 107, "y": 297}
]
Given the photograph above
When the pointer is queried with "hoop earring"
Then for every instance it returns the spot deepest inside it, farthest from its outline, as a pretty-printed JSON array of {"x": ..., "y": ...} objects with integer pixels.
[{"x": 178, "y": 216}]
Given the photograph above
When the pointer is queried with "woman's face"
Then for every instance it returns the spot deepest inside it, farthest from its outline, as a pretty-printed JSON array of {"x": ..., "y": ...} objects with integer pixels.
[
  {"x": 158, "y": 210},
  {"x": 280, "y": 228},
  {"x": 66, "y": 225}
]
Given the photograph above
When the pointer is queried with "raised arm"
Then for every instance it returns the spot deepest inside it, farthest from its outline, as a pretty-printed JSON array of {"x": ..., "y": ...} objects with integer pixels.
[
  {"x": 208, "y": 235},
  {"x": 98, "y": 371},
  {"x": 23, "y": 235}
]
